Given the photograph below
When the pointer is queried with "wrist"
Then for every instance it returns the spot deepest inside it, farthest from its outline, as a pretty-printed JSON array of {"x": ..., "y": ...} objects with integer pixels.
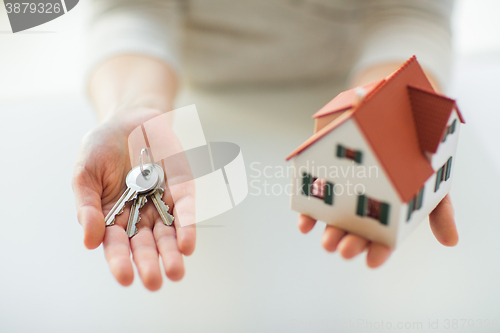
[
  {"x": 127, "y": 119},
  {"x": 132, "y": 82},
  {"x": 144, "y": 103},
  {"x": 381, "y": 71}
]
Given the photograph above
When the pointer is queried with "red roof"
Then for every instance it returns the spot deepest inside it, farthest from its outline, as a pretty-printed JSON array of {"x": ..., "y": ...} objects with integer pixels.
[
  {"x": 345, "y": 100},
  {"x": 431, "y": 112},
  {"x": 389, "y": 119}
]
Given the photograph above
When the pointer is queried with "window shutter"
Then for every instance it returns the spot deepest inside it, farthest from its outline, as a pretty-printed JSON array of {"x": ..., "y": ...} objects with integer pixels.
[
  {"x": 329, "y": 193},
  {"x": 362, "y": 202},
  {"x": 448, "y": 169},
  {"x": 340, "y": 151},
  {"x": 306, "y": 184},
  {"x": 420, "y": 199},
  {"x": 453, "y": 125},
  {"x": 384, "y": 213},
  {"x": 411, "y": 206},
  {"x": 359, "y": 156},
  {"x": 438, "y": 179}
]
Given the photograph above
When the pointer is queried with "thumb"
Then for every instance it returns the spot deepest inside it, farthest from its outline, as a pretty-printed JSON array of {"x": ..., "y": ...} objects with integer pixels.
[
  {"x": 88, "y": 207},
  {"x": 442, "y": 222}
]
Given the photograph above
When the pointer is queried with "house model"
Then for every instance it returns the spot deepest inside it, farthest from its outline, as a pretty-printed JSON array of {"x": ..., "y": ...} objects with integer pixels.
[{"x": 381, "y": 157}]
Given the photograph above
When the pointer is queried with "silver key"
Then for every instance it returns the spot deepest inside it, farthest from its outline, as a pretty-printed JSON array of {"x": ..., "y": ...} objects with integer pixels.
[
  {"x": 161, "y": 207},
  {"x": 157, "y": 198},
  {"x": 156, "y": 195},
  {"x": 135, "y": 215},
  {"x": 136, "y": 184}
]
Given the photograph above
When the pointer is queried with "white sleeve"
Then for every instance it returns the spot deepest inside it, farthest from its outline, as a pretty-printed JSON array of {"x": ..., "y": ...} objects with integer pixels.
[
  {"x": 394, "y": 30},
  {"x": 148, "y": 27}
]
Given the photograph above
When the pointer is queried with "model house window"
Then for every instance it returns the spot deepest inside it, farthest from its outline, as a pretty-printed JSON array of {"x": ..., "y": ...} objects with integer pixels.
[
  {"x": 450, "y": 129},
  {"x": 351, "y": 154},
  {"x": 415, "y": 203},
  {"x": 373, "y": 208},
  {"x": 443, "y": 174},
  {"x": 318, "y": 188}
]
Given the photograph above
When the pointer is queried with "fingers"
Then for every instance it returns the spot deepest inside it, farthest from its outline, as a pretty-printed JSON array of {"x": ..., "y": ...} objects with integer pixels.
[
  {"x": 92, "y": 221},
  {"x": 305, "y": 223},
  {"x": 351, "y": 245},
  {"x": 88, "y": 206},
  {"x": 117, "y": 253},
  {"x": 377, "y": 254},
  {"x": 331, "y": 238},
  {"x": 184, "y": 213},
  {"x": 145, "y": 256},
  {"x": 186, "y": 238},
  {"x": 167, "y": 246},
  {"x": 179, "y": 178},
  {"x": 442, "y": 223}
]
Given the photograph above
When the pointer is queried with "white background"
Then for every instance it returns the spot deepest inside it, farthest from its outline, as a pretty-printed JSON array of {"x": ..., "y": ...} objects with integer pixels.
[{"x": 252, "y": 270}]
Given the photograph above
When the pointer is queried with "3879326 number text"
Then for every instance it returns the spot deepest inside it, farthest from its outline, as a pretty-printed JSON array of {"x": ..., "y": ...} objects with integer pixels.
[{"x": 33, "y": 7}]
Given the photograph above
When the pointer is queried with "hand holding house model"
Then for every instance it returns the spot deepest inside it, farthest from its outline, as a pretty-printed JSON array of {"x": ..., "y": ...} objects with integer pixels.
[{"x": 394, "y": 141}]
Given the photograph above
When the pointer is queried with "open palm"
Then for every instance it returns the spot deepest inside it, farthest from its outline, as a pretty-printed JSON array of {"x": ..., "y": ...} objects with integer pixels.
[
  {"x": 98, "y": 182},
  {"x": 350, "y": 245}
]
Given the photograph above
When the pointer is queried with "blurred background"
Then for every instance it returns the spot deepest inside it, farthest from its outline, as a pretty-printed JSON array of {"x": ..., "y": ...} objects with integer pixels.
[
  {"x": 252, "y": 270},
  {"x": 46, "y": 61}
]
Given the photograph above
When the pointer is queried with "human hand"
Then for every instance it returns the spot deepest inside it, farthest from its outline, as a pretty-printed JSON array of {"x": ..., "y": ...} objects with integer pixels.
[
  {"x": 99, "y": 180},
  {"x": 441, "y": 220}
]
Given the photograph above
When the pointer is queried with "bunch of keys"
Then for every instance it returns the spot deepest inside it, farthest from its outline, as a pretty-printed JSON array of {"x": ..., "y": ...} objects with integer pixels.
[{"x": 142, "y": 181}]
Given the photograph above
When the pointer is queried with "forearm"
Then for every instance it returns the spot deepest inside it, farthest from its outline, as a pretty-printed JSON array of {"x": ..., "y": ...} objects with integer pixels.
[{"x": 132, "y": 81}]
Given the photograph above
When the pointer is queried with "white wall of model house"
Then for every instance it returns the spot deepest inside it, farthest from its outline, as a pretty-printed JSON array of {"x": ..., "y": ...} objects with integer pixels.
[
  {"x": 320, "y": 160},
  {"x": 431, "y": 199},
  {"x": 449, "y": 146}
]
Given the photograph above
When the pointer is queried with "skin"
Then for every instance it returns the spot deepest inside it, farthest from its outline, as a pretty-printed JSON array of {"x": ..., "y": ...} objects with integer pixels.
[
  {"x": 127, "y": 91},
  {"x": 442, "y": 221}
]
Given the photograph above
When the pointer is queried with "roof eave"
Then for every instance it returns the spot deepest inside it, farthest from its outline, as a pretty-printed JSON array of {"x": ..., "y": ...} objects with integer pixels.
[{"x": 322, "y": 114}]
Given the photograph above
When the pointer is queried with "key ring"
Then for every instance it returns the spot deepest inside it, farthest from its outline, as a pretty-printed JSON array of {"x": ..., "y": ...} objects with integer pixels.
[{"x": 145, "y": 172}]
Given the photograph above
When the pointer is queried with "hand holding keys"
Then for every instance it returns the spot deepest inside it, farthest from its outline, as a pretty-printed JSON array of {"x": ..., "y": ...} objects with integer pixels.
[
  {"x": 142, "y": 181},
  {"x": 98, "y": 182}
]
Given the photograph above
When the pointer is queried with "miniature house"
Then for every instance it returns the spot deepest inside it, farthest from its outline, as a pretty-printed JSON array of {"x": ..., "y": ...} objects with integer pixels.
[{"x": 381, "y": 157}]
